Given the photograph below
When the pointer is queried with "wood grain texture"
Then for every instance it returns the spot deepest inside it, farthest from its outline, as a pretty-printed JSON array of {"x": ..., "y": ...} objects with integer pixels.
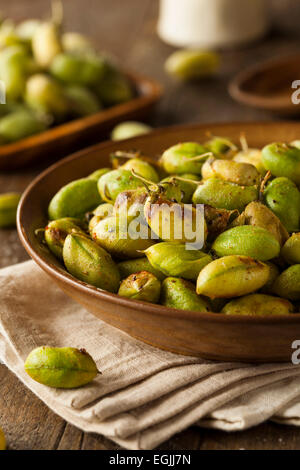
[{"x": 127, "y": 30}]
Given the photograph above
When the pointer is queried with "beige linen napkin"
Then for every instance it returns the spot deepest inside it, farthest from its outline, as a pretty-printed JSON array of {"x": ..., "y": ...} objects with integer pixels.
[{"x": 144, "y": 395}]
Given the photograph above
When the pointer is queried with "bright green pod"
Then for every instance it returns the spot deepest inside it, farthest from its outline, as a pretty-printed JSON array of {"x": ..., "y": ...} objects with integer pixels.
[
  {"x": 247, "y": 240},
  {"x": 283, "y": 198},
  {"x": 232, "y": 276},
  {"x": 179, "y": 293},
  {"x": 128, "y": 129},
  {"x": 287, "y": 285},
  {"x": 190, "y": 64},
  {"x": 57, "y": 231},
  {"x": 96, "y": 175},
  {"x": 114, "y": 182},
  {"x": 142, "y": 168},
  {"x": 142, "y": 285},
  {"x": 116, "y": 236},
  {"x": 132, "y": 266},
  {"x": 83, "y": 101},
  {"x": 87, "y": 69},
  {"x": 291, "y": 249},
  {"x": 174, "y": 259},
  {"x": 184, "y": 158},
  {"x": 8, "y": 209},
  {"x": 74, "y": 199},
  {"x": 243, "y": 174},
  {"x": 21, "y": 124},
  {"x": 90, "y": 263},
  {"x": 61, "y": 367},
  {"x": 256, "y": 305},
  {"x": 282, "y": 160},
  {"x": 224, "y": 195}
]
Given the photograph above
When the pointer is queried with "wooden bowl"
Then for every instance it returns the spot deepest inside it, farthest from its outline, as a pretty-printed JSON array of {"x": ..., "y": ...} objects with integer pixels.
[
  {"x": 209, "y": 335},
  {"x": 268, "y": 85},
  {"x": 63, "y": 139}
]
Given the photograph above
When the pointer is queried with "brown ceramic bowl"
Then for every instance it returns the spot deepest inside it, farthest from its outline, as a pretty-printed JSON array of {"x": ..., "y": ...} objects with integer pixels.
[
  {"x": 209, "y": 335},
  {"x": 76, "y": 134}
]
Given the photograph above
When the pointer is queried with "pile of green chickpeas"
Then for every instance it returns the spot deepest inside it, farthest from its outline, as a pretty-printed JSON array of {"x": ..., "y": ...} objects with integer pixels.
[
  {"x": 52, "y": 76},
  {"x": 250, "y": 261}
]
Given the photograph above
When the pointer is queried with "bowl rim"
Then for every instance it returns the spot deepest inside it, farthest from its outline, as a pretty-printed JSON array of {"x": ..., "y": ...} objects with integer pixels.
[{"x": 153, "y": 309}]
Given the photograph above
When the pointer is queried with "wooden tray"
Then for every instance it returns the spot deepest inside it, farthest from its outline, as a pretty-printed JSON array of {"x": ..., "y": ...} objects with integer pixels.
[
  {"x": 63, "y": 139},
  {"x": 209, "y": 335}
]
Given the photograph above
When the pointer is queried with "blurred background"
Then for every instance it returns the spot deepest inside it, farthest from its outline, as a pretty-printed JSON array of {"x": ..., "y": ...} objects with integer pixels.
[{"x": 128, "y": 30}]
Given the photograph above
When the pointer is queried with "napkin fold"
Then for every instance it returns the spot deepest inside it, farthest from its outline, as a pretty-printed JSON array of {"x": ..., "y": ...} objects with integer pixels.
[{"x": 144, "y": 395}]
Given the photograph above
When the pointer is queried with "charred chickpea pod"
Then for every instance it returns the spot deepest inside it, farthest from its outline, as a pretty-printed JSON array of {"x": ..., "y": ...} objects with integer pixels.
[
  {"x": 101, "y": 212},
  {"x": 186, "y": 183},
  {"x": 232, "y": 276},
  {"x": 243, "y": 174},
  {"x": 142, "y": 285},
  {"x": 116, "y": 181},
  {"x": 57, "y": 231},
  {"x": 132, "y": 266},
  {"x": 287, "y": 284},
  {"x": 258, "y": 305}
]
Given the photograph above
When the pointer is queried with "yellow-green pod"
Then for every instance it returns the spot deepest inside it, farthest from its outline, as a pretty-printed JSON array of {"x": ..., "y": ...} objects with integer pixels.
[
  {"x": 287, "y": 285},
  {"x": 256, "y": 305},
  {"x": 179, "y": 293},
  {"x": 282, "y": 160},
  {"x": 46, "y": 43},
  {"x": 101, "y": 212},
  {"x": 79, "y": 69},
  {"x": 45, "y": 94},
  {"x": 187, "y": 188},
  {"x": 131, "y": 202},
  {"x": 114, "y": 182},
  {"x": 190, "y": 64},
  {"x": 14, "y": 64},
  {"x": 174, "y": 259},
  {"x": 232, "y": 276},
  {"x": 142, "y": 168},
  {"x": 291, "y": 249},
  {"x": 224, "y": 194},
  {"x": 283, "y": 198},
  {"x": 122, "y": 239},
  {"x": 247, "y": 240},
  {"x": 132, "y": 266},
  {"x": 128, "y": 129},
  {"x": 273, "y": 274},
  {"x": 61, "y": 367},
  {"x": 8, "y": 209},
  {"x": 257, "y": 214},
  {"x": 243, "y": 174},
  {"x": 142, "y": 285},
  {"x": 175, "y": 222},
  {"x": 2, "y": 440},
  {"x": 184, "y": 158},
  {"x": 252, "y": 156},
  {"x": 74, "y": 199},
  {"x": 57, "y": 231},
  {"x": 82, "y": 101},
  {"x": 90, "y": 263},
  {"x": 114, "y": 88}
]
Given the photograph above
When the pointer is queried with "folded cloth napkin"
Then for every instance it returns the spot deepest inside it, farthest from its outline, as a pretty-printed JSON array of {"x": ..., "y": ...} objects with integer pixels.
[{"x": 144, "y": 395}]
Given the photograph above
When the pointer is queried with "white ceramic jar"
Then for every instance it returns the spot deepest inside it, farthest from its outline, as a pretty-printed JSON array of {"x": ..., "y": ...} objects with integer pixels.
[{"x": 212, "y": 23}]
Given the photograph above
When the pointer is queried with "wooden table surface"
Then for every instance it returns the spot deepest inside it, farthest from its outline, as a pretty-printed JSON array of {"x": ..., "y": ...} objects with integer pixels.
[{"x": 128, "y": 30}]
